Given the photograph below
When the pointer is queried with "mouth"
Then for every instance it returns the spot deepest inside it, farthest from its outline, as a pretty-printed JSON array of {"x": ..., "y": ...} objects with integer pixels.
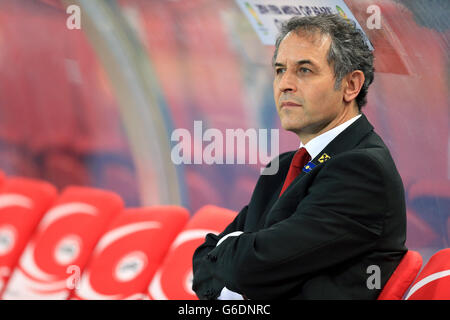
[{"x": 290, "y": 104}]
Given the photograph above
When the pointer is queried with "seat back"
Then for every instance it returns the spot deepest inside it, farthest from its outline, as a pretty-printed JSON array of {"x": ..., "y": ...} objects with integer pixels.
[
  {"x": 23, "y": 201},
  {"x": 433, "y": 282},
  {"x": 129, "y": 252},
  {"x": 403, "y": 277},
  {"x": 173, "y": 280},
  {"x": 62, "y": 243}
]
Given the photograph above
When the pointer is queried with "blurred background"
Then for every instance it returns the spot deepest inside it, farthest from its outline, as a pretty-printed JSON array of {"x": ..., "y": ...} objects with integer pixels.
[{"x": 96, "y": 106}]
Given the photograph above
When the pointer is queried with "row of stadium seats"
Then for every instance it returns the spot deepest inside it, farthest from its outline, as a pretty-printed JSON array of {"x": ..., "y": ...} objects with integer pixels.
[{"x": 83, "y": 243}]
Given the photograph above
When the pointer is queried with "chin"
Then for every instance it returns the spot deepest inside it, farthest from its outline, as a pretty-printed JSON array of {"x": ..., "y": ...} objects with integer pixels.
[
  {"x": 293, "y": 127},
  {"x": 291, "y": 121}
]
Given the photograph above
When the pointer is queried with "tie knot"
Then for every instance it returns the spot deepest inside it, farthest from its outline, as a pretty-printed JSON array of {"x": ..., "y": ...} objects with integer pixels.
[{"x": 301, "y": 158}]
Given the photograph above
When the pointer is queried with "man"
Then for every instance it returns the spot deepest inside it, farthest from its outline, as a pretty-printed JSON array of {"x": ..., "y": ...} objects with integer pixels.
[{"x": 327, "y": 229}]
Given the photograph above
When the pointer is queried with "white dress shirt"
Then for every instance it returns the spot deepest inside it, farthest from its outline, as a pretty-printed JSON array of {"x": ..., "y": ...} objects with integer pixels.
[
  {"x": 314, "y": 147},
  {"x": 319, "y": 143}
]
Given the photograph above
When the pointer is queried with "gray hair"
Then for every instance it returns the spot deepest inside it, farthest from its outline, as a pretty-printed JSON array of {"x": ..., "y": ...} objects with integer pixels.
[{"x": 348, "y": 50}]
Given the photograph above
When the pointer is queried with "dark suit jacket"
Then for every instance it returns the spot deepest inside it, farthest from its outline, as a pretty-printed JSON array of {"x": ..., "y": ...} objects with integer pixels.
[{"x": 322, "y": 237}]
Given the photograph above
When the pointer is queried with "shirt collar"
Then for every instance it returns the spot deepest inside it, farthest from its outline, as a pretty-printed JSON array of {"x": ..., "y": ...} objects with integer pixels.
[{"x": 318, "y": 143}]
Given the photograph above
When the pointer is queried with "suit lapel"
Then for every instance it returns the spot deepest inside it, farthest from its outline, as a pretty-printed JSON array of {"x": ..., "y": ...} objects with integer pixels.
[{"x": 345, "y": 141}]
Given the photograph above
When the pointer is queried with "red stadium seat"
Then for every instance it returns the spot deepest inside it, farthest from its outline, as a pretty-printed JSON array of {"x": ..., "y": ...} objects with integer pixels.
[
  {"x": 173, "y": 279},
  {"x": 62, "y": 244},
  {"x": 402, "y": 277},
  {"x": 129, "y": 253},
  {"x": 433, "y": 282},
  {"x": 22, "y": 203}
]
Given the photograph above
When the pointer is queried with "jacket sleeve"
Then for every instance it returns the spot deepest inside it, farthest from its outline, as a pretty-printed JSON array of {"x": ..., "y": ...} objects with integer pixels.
[
  {"x": 340, "y": 218},
  {"x": 205, "y": 284}
]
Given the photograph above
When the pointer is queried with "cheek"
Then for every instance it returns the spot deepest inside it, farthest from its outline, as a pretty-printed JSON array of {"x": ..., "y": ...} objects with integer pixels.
[{"x": 324, "y": 98}]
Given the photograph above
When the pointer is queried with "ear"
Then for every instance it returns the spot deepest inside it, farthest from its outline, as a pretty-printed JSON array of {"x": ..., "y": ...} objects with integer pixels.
[{"x": 352, "y": 85}]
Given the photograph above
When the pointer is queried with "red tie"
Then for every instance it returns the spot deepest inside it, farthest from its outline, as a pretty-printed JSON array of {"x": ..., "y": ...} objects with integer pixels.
[{"x": 299, "y": 160}]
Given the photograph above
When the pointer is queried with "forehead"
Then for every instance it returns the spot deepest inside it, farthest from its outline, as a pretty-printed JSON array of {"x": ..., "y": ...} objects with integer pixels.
[{"x": 298, "y": 45}]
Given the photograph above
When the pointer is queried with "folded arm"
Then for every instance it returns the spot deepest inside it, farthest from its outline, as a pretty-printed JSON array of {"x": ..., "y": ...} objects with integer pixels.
[{"x": 205, "y": 284}]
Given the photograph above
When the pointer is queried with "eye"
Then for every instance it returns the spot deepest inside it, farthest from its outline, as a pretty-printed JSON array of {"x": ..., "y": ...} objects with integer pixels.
[
  {"x": 279, "y": 70},
  {"x": 305, "y": 70}
]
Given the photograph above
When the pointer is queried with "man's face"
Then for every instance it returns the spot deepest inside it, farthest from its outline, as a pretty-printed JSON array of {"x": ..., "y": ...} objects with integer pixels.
[{"x": 304, "y": 93}]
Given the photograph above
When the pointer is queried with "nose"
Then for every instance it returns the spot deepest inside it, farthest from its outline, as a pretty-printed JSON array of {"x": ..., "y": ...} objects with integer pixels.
[{"x": 287, "y": 83}]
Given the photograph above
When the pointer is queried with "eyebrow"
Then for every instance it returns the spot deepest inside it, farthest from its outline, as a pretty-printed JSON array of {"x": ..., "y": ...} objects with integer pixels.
[{"x": 299, "y": 62}]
